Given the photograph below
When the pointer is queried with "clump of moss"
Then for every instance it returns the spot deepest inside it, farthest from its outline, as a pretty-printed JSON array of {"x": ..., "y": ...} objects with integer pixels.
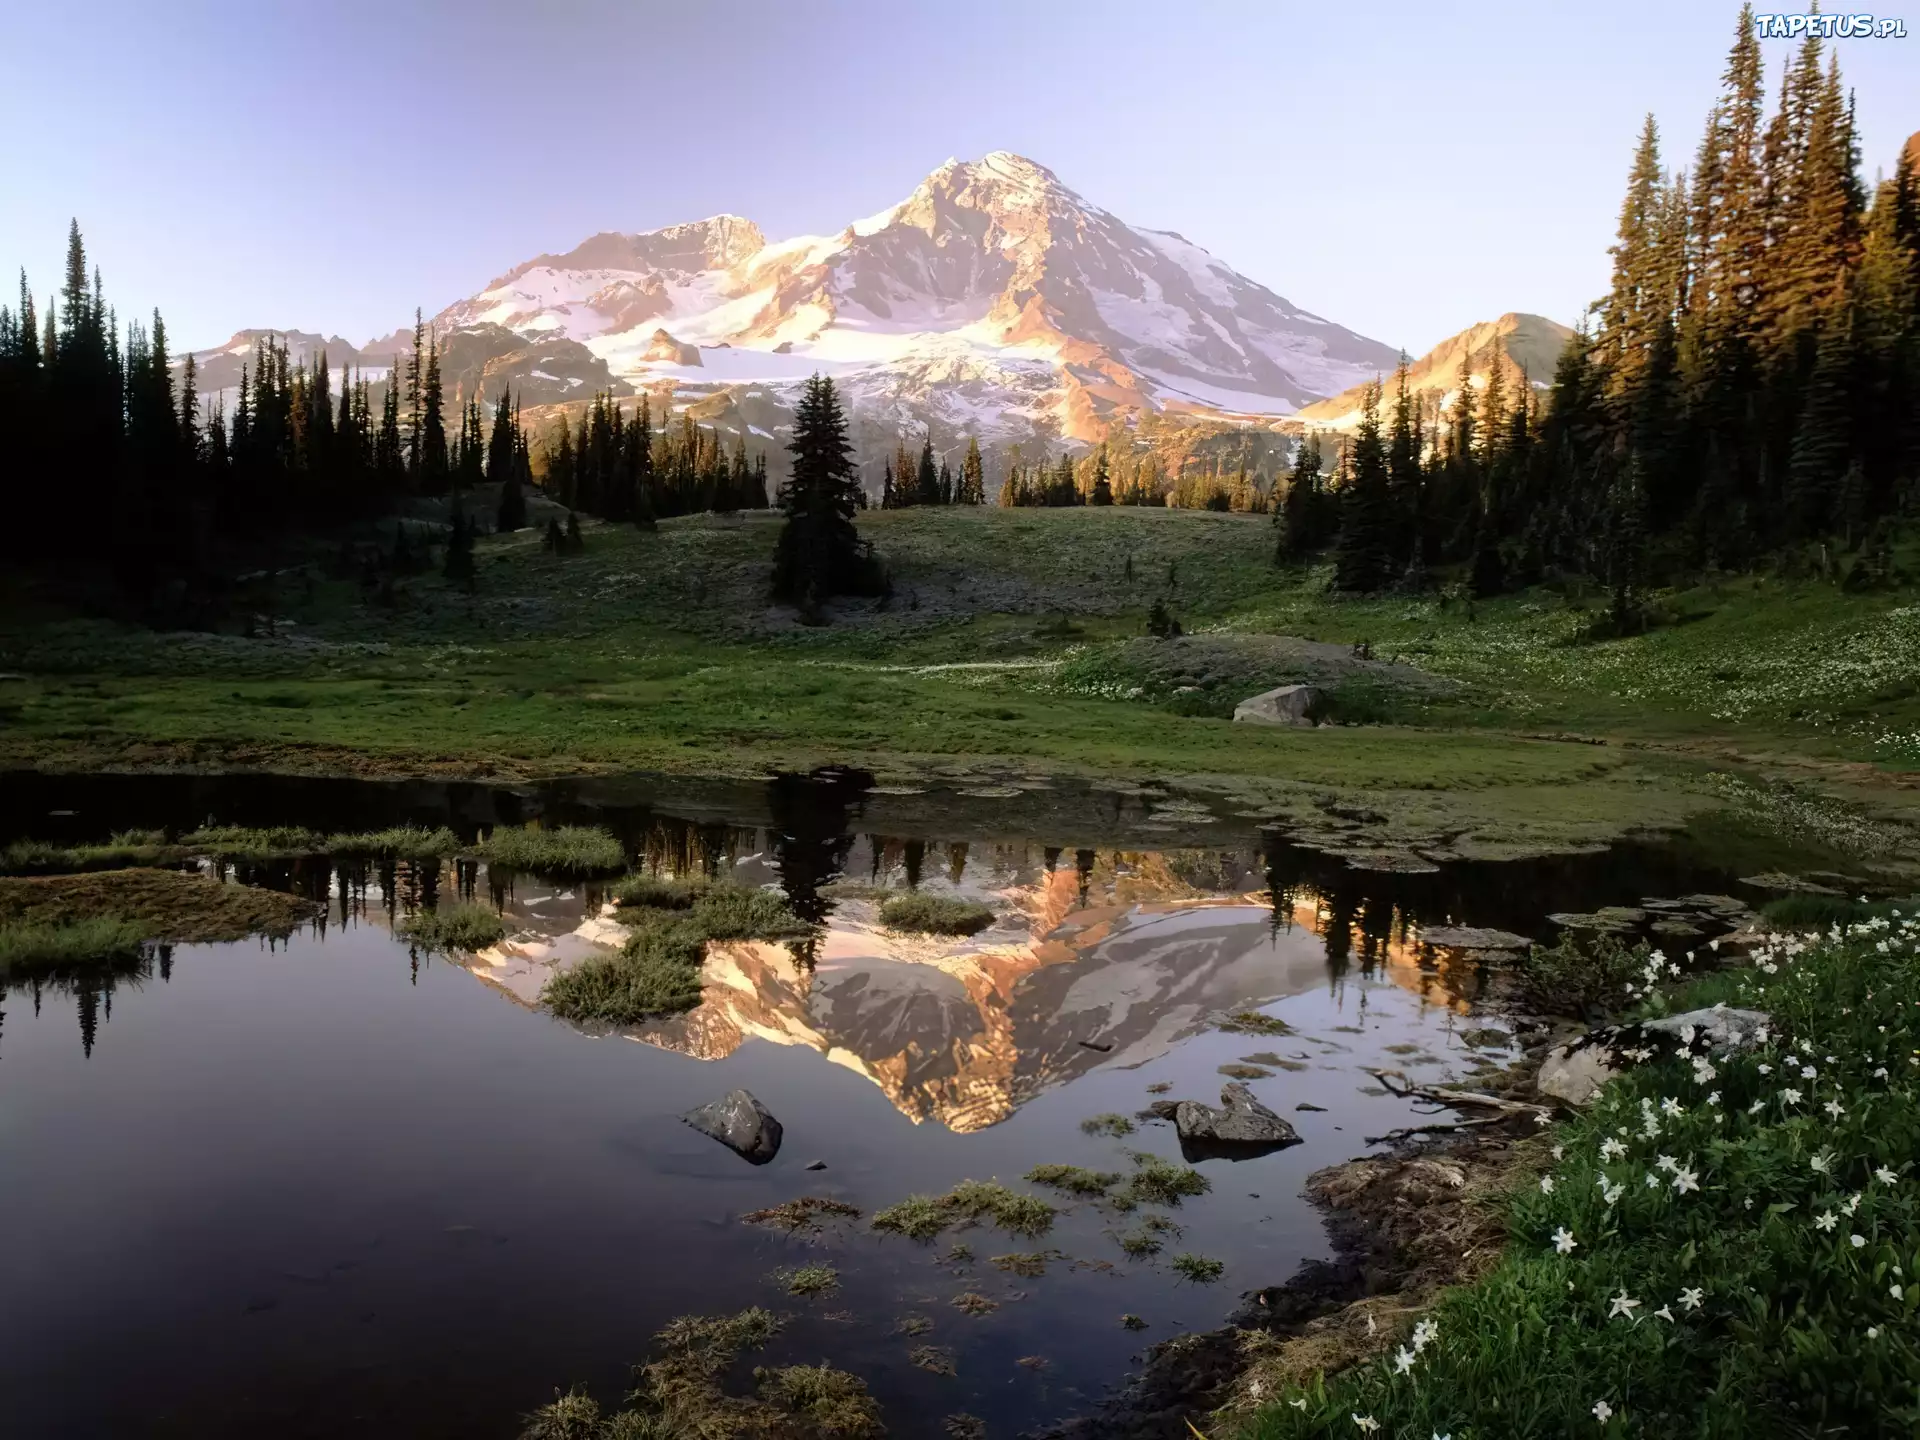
[
  {"x": 972, "y": 1302},
  {"x": 739, "y": 912},
  {"x": 934, "y": 915},
  {"x": 658, "y": 892},
  {"x": 934, "y": 1359},
  {"x": 1108, "y": 1124},
  {"x": 1161, "y": 1182},
  {"x": 1073, "y": 1179},
  {"x": 166, "y": 904},
  {"x": 802, "y": 1214},
  {"x": 831, "y": 1401},
  {"x": 241, "y": 842},
  {"x": 657, "y": 972},
  {"x": 1245, "y": 1072},
  {"x": 33, "y": 947},
  {"x": 808, "y": 1279},
  {"x": 912, "y": 1325},
  {"x": 1198, "y": 1268},
  {"x": 1031, "y": 1264},
  {"x": 458, "y": 927},
  {"x": 399, "y": 842},
  {"x": 1252, "y": 1022},
  {"x": 922, "y": 1217},
  {"x": 568, "y": 850}
]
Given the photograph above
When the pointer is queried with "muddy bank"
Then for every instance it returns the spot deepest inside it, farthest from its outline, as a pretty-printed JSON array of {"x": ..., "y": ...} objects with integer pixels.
[{"x": 1404, "y": 1227}]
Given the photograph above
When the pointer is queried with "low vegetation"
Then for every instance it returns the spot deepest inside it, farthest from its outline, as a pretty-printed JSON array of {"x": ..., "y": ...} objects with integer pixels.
[
  {"x": 923, "y": 1217},
  {"x": 1200, "y": 1269},
  {"x": 1073, "y": 1179},
  {"x": 922, "y": 914},
  {"x": 808, "y": 1279},
  {"x": 164, "y": 905},
  {"x": 1724, "y": 1241},
  {"x": 658, "y": 892},
  {"x": 29, "y": 948},
  {"x": 1111, "y": 1123},
  {"x": 454, "y": 927},
  {"x": 575, "y": 851},
  {"x": 1161, "y": 1182}
]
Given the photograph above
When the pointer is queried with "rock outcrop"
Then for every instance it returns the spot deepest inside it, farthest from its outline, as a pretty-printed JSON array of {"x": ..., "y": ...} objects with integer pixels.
[
  {"x": 741, "y": 1123},
  {"x": 1288, "y": 705}
]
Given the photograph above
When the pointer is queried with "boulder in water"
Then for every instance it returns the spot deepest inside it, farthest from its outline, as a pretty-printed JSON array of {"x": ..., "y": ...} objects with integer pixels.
[
  {"x": 741, "y": 1123},
  {"x": 1242, "y": 1126}
]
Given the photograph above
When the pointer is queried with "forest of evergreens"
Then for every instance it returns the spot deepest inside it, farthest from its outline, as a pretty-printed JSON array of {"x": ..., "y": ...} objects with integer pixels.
[{"x": 1749, "y": 387}]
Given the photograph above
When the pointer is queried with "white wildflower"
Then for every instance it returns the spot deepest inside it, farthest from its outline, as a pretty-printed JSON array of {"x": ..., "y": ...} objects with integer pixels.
[
  {"x": 1885, "y": 1176},
  {"x": 1685, "y": 1180},
  {"x": 1690, "y": 1299},
  {"x": 1563, "y": 1240},
  {"x": 1602, "y": 1411},
  {"x": 1826, "y": 1221},
  {"x": 1546, "y": 1184},
  {"x": 1622, "y": 1304}
]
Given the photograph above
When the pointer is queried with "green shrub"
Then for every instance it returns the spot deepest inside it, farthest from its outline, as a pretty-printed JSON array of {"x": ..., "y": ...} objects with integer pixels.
[
  {"x": 934, "y": 915},
  {"x": 29, "y": 947},
  {"x": 657, "y": 972},
  {"x": 1823, "y": 912},
  {"x": 1725, "y": 1244},
  {"x": 569, "y": 850},
  {"x": 1583, "y": 976},
  {"x": 457, "y": 927}
]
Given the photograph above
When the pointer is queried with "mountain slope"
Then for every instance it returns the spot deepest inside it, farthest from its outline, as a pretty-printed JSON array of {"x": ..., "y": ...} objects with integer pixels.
[
  {"x": 992, "y": 299},
  {"x": 1525, "y": 347}
]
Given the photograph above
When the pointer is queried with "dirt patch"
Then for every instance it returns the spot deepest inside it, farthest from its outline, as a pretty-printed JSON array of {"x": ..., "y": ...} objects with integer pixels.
[
  {"x": 1404, "y": 1228},
  {"x": 167, "y": 904}
]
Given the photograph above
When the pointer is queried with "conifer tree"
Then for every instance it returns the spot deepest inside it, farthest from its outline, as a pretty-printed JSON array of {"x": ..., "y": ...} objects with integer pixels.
[
  {"x": 434, "y": 475},
  {"x": 1363, "y": 556},
  {"x": 973, "y": 481},
  {"x": 1406, "y": 481},
  {"x": 926, "y": 477},
  {"x": 1102, "y": 493},
  {"x": 820, "y": 554}
]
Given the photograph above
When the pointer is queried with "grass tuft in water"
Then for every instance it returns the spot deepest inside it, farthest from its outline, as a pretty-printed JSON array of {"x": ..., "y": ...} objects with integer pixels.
[
  {"x": 657, "y": 972},
  {"x": 1074, "y": 1179},
  {"x": 29, "y": 947},
  {"x": 1161, "y": 1182},
  {"x": 922, "y": 1217},
  {"x": 1252, "y": 1022},
  {"x": 400, "y": 842},
  {"x": 568, "y": 850},
  {"x": 1030, "y": 1263},
  {"x": 802, "y": 1214},
  {"x": 972, "y": 1302},
  {"x": 1108, "y": 1124},
  {"x": 1198, "y": 1268},
  {"x": 658, "y": 892},
  {"x": 1149, "y": 1237},
  {"x": 240, "y": 842},
  {"x": 574, "y": 1415},
  {"x": 457, "y": 927},
  {"x": 808, "y": 1279},
  {"x": 918, "y": 1217},
  {"x": 831, "y": 1402},
  {"x": 934, "y": 1359},
  {"x": 739, "y": 912},
  {"x": 934, "y": 915}
]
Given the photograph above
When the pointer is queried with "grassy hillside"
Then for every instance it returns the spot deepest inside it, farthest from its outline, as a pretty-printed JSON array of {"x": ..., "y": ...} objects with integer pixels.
[{"x": 1014, "y": 642}]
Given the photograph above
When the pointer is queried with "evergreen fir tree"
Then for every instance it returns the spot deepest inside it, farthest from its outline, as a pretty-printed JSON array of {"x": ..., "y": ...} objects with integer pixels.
[
  {"x": 1363, "y": 557},
  {"x": 820, "y": 554},
  {"x": 926, "y": 477},
  {"x": 434, "y": 474},
  {"x": 1102, "y": 493},
  {"x": 973, "y": 480}
]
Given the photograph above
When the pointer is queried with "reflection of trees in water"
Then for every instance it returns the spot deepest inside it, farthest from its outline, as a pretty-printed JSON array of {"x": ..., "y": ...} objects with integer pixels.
[
  {"x": 91, "y": 985},
  {"x": 810, "y": 838}
]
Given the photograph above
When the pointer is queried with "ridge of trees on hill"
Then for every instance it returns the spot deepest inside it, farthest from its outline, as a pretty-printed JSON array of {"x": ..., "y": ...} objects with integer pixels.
[{"x": 1750, "y": 384}]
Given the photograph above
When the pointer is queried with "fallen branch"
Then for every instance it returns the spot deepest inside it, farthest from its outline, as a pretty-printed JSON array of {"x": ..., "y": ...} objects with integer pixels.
[
  {"x": 1451, "y": 1129},
  {"x": 1406, "y": 1089}
]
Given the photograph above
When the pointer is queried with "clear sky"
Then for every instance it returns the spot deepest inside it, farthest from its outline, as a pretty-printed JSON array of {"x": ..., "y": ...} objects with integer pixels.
[{"x": 1402, "y": 168}]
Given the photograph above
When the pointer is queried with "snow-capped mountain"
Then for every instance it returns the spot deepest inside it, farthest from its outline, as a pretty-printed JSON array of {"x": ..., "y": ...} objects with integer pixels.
[{"x": 992, "y": 299}]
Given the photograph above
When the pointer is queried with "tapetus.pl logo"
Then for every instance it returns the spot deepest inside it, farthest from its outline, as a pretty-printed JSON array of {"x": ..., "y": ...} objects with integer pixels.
[{"x": 1830, "y": 27}]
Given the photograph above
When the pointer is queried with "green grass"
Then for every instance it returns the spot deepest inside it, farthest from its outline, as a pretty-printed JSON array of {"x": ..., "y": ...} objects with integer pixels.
[
  {"x": 1198, "y": 1268},
  {"x": 1073, "y": 1179},
  {"x": 250, "y": 843},
  {"x": 657, "y": 972},
  {"x": 1111, "y": 1123},
  {"x": 403, "y": 842},
  {"x": 922, "y": 1217},
  {"x": 658, "y": 892},
  {"x": 934, "y": 915},
  {"x": 808, "y": 1279},
  {"x": 456, "y": 927},
  {"x": 1014, "y": 643},
  {"x": 737, "y": 912},
  {"x": 1161, "y": 1182},
  {"x": 33, "y": 947},
  {"x": 1718, "y": 1251},
  {"x": 569, "y": 850}
]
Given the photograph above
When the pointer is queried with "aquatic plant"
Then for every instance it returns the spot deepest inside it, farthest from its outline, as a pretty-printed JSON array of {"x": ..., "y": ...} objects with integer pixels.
[
  {"x": 934, "y": 1359},
  {"x": 934, "y": 914},
  {"x": 833, "y": 1402},
  {"x": 1721, "y": 1235},
  {"x": 918, "y": 1217},
  {"x": 400, "y": 842},
  {"x": 1148, "y": 1237},
  {"x": 456, "y": 927},
  {"x": 1027, "y": 1263},
  {"x": 922, "y": 1217},
  {"x": 1161, "y": 1182},
  {"x": 802, "y": 1214},
  {"x": 245, "y": 843},
  {"x": 574, "y": 1415},
  {"x": 1073, "y": 1179},
  {"x": 1108, "y": 1124},
  {"x": 808, "y": 1279},
  {"x": 658, "y": 892},
  {"x": 657, "y": 972},
  {"x": 29, "y": 947},
  {"x": 1198, "y": 1268},
  {"x": 1252, "y": 1022},
  {"x": 568, "y": 850}
]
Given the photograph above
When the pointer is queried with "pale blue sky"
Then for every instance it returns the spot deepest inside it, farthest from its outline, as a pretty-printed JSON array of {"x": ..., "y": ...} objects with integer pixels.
[{"x": 1402, "y": 168}]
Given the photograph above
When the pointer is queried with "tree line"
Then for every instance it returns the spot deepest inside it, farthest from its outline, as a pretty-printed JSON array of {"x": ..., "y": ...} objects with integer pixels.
[{"x": 1749, "y": 387}]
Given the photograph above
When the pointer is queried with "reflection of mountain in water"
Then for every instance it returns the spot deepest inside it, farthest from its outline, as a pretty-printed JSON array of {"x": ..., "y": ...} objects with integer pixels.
[{"x": 967, "y": 1031}]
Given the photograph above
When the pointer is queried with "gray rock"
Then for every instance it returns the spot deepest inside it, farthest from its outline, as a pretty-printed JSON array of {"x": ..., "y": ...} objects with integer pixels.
[
  {"x": 1241, "y": 1123},
  {"x": 1288, "y": 705},
  {"x": 741, "y": 1123},
  {"x": 1473, "y": 937},
  {"x": 1574, "y": 1072}
]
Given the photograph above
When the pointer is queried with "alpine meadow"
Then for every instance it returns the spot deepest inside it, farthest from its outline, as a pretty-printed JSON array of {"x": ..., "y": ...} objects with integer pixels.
[{"x": 945, "y": 695}]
